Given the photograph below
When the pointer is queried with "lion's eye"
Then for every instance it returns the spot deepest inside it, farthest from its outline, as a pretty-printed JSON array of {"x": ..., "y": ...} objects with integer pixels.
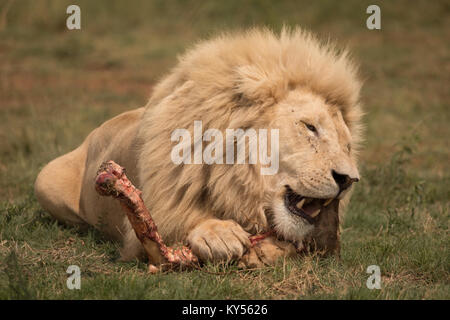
[
  {"x": 311, "y": 127},
  {"x": 349, "y": 147}
]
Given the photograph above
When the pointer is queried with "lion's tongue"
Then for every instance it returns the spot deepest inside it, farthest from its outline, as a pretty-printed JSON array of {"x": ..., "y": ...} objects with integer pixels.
[{"x": 312, "y": 207}]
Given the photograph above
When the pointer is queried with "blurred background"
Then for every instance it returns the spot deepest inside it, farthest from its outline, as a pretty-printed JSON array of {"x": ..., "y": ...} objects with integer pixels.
[{"x": 56, "y": 85}]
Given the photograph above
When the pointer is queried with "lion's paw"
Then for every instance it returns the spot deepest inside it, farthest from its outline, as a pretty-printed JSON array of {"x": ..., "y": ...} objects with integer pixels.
[
  {"x": 218, "y": 240},
  {"x": 266, "y": 253}
]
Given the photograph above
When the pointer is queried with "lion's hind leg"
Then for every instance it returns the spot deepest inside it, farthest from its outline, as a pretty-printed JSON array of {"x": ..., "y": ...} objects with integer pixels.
[{"x": 58, "y": 186}]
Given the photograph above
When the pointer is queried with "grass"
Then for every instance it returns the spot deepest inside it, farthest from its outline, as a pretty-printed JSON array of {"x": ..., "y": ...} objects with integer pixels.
[{"x": 57, "y": 85}]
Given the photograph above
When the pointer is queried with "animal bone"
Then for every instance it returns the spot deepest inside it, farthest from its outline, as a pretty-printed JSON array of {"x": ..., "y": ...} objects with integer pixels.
[{"x": 112, "y": 181}]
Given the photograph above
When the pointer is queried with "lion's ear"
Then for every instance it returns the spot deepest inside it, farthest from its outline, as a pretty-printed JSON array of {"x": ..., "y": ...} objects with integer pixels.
[{"x": 255, "y": 84}]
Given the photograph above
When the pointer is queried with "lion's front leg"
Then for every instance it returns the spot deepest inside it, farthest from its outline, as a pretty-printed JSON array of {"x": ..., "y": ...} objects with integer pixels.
[{"x": 218, "y": 240}]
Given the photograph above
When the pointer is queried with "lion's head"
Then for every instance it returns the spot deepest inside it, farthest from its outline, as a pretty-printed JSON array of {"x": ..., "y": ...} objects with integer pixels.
[
  {"x": 316, "y": 161},
  {"x": 291, "y": 82},
  {"x": 317, "y": 166}
]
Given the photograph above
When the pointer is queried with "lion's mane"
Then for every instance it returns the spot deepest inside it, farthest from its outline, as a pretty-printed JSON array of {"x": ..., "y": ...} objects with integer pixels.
[{"x": 232, "y": 82}]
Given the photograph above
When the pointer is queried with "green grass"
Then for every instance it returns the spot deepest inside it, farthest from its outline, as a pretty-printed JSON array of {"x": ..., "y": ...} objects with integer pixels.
[{"x": 57, "y": 85}]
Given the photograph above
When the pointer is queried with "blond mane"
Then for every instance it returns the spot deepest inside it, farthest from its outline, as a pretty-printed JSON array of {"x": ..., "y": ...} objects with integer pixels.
[{"x": 232, "y": 82}]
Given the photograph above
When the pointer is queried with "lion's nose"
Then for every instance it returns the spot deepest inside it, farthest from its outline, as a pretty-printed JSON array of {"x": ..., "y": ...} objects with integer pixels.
[{"x": 343, "y": 180}]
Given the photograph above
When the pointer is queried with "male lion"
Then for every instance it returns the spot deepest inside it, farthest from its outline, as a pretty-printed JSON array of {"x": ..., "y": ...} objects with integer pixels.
[{"x": 257, "y": 79}]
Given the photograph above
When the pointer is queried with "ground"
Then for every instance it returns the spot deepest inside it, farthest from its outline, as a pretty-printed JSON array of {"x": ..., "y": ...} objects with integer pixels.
[{"x": 57, "y": 85}]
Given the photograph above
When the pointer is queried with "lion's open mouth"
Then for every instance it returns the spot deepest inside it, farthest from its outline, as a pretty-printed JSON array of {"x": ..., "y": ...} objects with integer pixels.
[{"x": 307, "y": 208}]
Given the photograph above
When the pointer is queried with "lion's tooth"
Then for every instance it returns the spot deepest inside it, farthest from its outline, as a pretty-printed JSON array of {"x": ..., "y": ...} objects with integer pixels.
[
  {"x": 315, "y": 213},
  {"x": 327, "y": 202},
  {"x": 300, "y": 204}
]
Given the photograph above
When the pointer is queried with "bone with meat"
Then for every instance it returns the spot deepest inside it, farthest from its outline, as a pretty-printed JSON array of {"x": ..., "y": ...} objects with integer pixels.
[{"x": 112, "y": 181}]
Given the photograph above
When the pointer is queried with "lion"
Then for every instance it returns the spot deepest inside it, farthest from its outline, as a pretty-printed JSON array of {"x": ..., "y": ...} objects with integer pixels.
[{"x": 290, "y": 81}]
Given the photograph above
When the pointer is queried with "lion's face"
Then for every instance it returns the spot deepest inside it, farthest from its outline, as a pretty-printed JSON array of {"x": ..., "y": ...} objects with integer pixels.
[{"x": 316, "y": 163}]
